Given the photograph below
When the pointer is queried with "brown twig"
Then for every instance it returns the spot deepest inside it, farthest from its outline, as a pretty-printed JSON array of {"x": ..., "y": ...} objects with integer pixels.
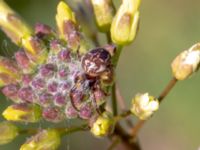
[
  {"x": 126, "y": 143},
  {"x": 168, "y": 88},
  {"x": 163, "y": 94},
  {"x": 122, "y": 105},
  {"x": 115, "y": 142},
  {"x": 137, "y": 127},
  {"x": 120, "y": 99}
]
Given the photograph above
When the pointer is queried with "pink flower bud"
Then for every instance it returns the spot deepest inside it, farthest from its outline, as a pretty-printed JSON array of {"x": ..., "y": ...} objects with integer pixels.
[
  {"x": 26, "y": 94},
  {"x": 47, "y": 70},
  {"x": 59, "y": 100},
  {"x": 52, "y": 114},
  {"x": 11, "y": 91}
]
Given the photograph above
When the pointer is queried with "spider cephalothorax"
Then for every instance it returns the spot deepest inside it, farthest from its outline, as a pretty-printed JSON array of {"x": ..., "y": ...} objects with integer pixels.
[{"x": 96, "y": 62}]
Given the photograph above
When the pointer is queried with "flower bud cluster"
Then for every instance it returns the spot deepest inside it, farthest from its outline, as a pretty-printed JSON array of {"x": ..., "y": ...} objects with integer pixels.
[{"x": 51, "y": 79}]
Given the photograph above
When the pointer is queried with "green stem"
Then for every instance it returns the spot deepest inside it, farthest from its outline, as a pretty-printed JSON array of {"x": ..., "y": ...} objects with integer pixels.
[
  {"x": 114, "y": 100},
  {"x": 122, "y": 115},
  {"x": 108, "y": 38},
  {"x": 28, "y": 131},
  {"x": 62, "y": 131},
  {"x": 65, "y": 131},
  {"x": 116, "y": 56},
  {"x": 95, "y": 39}
]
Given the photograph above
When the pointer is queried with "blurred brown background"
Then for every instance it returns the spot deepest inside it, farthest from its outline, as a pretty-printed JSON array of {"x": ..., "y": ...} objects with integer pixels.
[{"x": 166, "y": 28}]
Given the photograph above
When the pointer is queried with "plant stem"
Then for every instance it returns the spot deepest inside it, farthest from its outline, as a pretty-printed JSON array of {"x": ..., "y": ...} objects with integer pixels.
[
  {"x": 114, "y": 100},
  {"x": 62, "y": 131},
  {"x": 95, "y": 39},
  {"x": 108, "y": 38},
  {"x": 122, "y": 115},
  {"x": 114, "y": 143},
  {"x": 28, "y": 131},
  {"x": 168, "y": 88},
  {"x": 163, "y": 94},
  {"x": 126, "y": 143},
  {"x": 116, "y": 56},
  {"x": 65, "y": 131},
  {"x": 122, "y": 105},
  {"x": 120, "y": 99},
  {"x": 137, "y": 127}
]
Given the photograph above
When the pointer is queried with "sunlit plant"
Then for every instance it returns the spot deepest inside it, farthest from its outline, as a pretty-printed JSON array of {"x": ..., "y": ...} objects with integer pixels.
[{"x": 64, "y": 74}]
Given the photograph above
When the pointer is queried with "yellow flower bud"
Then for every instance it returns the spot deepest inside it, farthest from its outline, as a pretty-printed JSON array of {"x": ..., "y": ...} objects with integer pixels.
[
  {"x": 104, "y": 125},
  {"x": 104, "y": 12},
  {"x": 64, "y": 14},
  {"x": 23, "y": 113},
  {"x": 45, "y": 140},
  {"x": 125, "y": 23},
  {"x": 186, "y": 63},
  {"x": 8, "y": 132},
  {"x": 144, "y": 105},
  {"x": 12, "y": 25}
]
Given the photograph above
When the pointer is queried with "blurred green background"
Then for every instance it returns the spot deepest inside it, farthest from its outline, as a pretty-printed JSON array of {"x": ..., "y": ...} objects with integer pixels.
[{"x": 166, "y": 28}]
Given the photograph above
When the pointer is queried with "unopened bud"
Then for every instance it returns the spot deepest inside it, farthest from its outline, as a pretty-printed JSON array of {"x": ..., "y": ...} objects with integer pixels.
[
  {"x": 9, "y": 71},
  {"x": 11, "y": 91},
  {"x": 69, "y": 30},
  {"x": 24, "y": 62},
  {"x": 23, "y": 113},
  {"x": 6, "y": 79},
  {"x": 42, "y": 30},
  {"x": 104, "y": 125},
  {"x": 85, "y": 111},
  {"x": 8, "y": 132},
  {"x": 100, "y": 96},
  {"x": 12, "y": 25},
  {"x": 45, "y": 140},
  {"x": 144, "y": 105},
  {"x": 64, "y": 14},
  {"x": 125, "y": 23},
  {"x": 186, "y": 63},
  {"x": 104, "y": 12},
  {"x": 52, "y": 114},
  {"x": 34, "y": 49}
]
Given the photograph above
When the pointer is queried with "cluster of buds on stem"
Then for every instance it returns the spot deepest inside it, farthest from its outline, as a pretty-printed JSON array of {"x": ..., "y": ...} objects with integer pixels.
[{"x": 54, "y": 76}]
